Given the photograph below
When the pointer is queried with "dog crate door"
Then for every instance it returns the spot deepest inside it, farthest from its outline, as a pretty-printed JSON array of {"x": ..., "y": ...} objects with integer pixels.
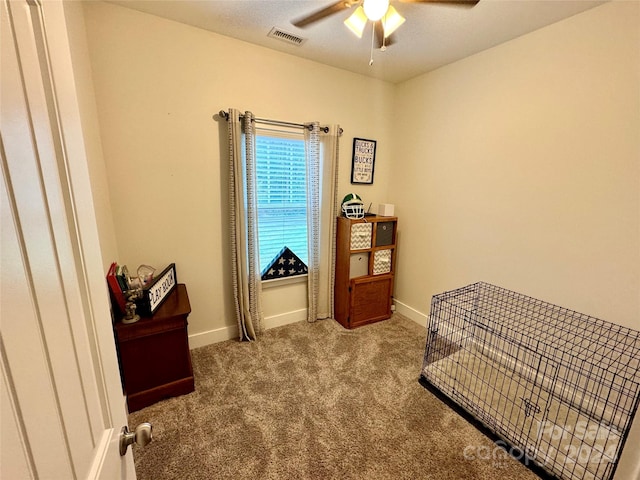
[{"x": 501, "y": 383}]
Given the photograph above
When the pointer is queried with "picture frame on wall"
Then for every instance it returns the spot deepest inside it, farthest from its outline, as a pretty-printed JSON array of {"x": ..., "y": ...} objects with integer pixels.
[{"x": 363, "y": 161}]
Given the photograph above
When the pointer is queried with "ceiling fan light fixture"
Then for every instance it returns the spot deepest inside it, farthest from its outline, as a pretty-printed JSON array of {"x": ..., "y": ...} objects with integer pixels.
[
  {"x": 391, "y": 21},
  {"x": 357, "y": 21},
  {"x": 375, "y": 9}
]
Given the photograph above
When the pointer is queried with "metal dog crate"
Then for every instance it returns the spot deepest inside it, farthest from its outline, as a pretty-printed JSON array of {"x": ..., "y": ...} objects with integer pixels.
[{"x": 560, "y": 387}]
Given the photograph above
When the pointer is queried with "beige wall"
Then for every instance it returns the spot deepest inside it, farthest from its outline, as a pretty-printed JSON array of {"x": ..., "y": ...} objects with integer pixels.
[
  {"x": 525, "y": 171},
  {"x": 158, "y": 83},
  {"x": 91, "y": 131}
]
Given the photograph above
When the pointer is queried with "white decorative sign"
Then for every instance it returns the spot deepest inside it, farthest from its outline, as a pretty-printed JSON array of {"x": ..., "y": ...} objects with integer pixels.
[
  {"x": 364, "y": 157},
  {"x": 162, "y": 287}
]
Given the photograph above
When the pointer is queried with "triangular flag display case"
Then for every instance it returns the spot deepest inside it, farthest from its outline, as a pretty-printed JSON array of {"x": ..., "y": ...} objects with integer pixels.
[
  {"x": 365, "y": 267},
  {"x": 285, "y": 264}
]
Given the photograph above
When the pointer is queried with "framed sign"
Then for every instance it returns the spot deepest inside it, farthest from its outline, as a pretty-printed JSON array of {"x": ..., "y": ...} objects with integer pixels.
[
  {"x": 364, "y": 158},
  {"x": 155, "y": 293}
]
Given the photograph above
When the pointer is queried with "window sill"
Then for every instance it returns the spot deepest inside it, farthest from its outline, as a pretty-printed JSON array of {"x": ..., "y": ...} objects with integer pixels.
[{"x": 279, "y": 282}]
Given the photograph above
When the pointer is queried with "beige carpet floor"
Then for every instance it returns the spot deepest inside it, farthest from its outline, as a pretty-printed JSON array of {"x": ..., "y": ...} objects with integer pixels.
[{"x": 316, "y": 401}]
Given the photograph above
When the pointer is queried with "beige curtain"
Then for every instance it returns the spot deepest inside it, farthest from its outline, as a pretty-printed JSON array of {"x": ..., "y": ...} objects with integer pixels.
[
  {"x": 243, "y": 221},
  {"x": 322, "y": 150}
]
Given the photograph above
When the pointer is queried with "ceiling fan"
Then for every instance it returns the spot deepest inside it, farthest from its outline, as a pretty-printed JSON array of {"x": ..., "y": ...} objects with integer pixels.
[{"x": 384, "y": 16}]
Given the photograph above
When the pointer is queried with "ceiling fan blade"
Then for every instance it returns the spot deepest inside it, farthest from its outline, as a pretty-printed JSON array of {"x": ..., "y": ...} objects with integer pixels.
[
  {"x": 459, "y": 3},
  {"x": 320, "y": 14},
  {"x": 378, "y": 31},
  {"x": 390, "y": 40}
]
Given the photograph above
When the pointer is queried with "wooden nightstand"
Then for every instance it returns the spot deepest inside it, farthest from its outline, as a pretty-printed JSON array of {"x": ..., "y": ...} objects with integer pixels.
[{"x": 155, "y": 361}]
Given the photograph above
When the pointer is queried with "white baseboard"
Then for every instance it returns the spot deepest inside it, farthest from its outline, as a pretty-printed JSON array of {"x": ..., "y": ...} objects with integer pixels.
[
  {"x": 411, "y": 313},
  {"x": 197, "y": 340},
  {"x": 202, "y": 339},
  {"x": 223, "y": 334},
  {"x": 285, "y": 318}
]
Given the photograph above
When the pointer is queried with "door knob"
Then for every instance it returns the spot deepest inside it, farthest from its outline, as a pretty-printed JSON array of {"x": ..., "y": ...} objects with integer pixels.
[{"x": 142, "y": 436}]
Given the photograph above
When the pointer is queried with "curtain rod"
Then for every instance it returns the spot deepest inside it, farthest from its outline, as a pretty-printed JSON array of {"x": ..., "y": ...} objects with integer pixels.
[{"x": 280, "y": 123}]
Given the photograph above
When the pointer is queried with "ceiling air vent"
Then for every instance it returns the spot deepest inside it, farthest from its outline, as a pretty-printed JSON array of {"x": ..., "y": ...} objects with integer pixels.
[{"x": 286, "y": 37}]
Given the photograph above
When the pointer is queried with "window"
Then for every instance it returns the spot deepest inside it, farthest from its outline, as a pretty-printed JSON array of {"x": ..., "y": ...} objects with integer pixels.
[{"x": 281, "y": 176}]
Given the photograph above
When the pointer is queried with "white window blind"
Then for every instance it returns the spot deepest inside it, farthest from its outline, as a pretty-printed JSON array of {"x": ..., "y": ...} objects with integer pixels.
[{"x": 282, "y": 195}]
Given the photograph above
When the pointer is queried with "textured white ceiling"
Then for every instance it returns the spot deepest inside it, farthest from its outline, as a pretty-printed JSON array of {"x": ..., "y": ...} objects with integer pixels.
[{"x": 432, "y": 36}]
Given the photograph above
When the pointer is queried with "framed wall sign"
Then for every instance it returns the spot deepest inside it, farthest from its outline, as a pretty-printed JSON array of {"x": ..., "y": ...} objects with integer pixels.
[
  {"x": 364, "y": 158},
  {"x": 156, "y": 292}
]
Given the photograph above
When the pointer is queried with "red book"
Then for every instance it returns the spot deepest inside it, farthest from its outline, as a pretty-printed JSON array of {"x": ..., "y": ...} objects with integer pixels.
[{"x": 114, "y": 287}]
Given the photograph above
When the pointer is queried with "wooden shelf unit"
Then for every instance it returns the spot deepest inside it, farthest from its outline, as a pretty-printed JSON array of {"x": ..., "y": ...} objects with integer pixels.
[{"x": 365, "y": 265}]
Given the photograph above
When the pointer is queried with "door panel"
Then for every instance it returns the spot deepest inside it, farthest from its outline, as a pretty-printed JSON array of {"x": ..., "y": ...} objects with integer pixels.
[
  {"x": 25, "y": 366},
  {"x": 62, "y": 406}
]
